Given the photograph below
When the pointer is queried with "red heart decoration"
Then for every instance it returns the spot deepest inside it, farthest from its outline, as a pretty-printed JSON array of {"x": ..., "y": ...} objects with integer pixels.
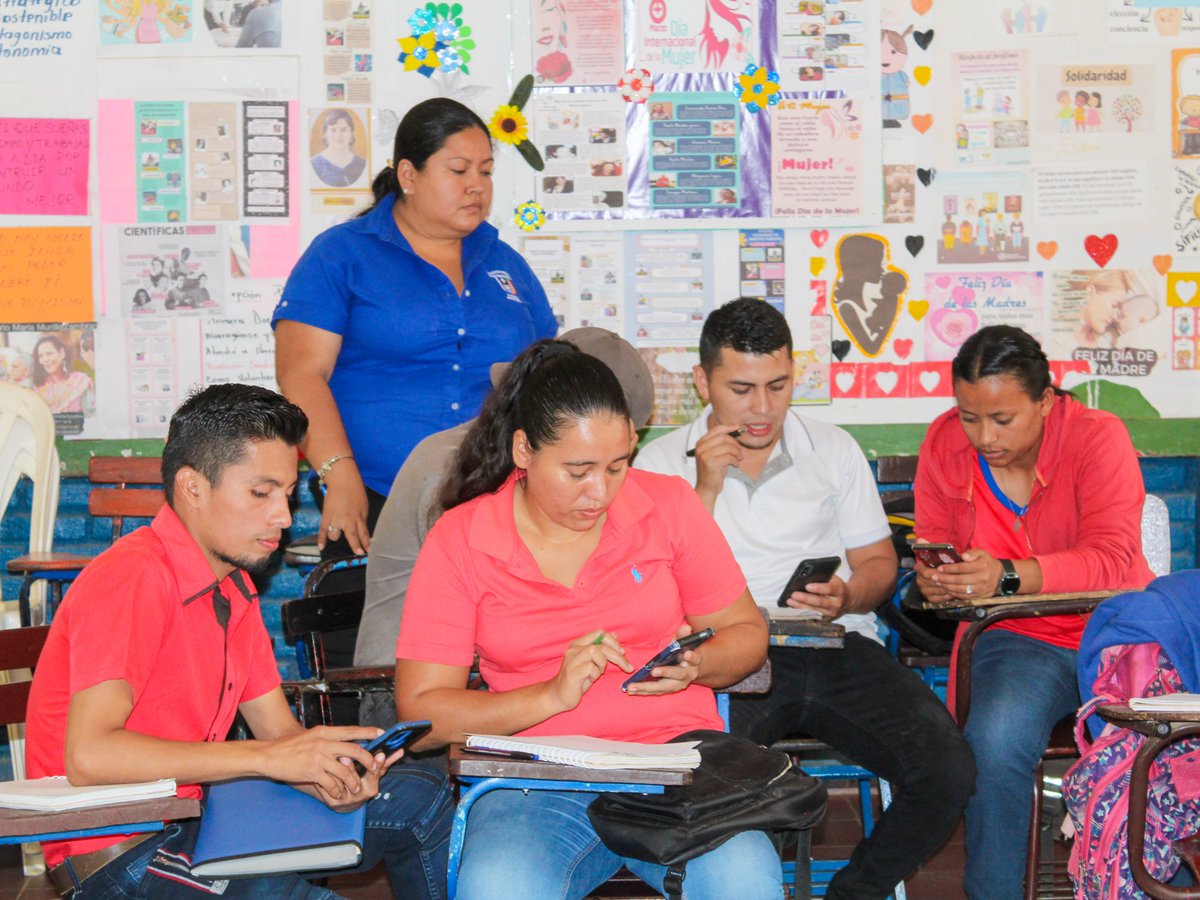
[
  {"x": 1100, "y": 249},
  {"x": 818, "y": 237},
  {"x": 903, "y": 347}
]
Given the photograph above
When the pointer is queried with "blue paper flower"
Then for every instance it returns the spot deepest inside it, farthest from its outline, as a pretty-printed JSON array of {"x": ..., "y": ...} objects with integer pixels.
[
  {"x": 446, "y": 31},
  {"x": 449, "y": 58},
  {"x": 530, "y": 216},
  {"x": 421, "y": 21}
]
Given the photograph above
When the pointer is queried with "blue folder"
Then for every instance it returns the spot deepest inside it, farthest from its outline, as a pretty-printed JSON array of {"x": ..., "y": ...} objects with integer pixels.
[{"x": 255, "y": 826}]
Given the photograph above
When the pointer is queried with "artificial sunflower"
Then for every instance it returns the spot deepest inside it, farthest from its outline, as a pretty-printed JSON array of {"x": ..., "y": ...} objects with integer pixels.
[
  {"x": 759, "y": 87},
  {"x": 418, "y": 52},
  {"x": 509, "y": 125},
  {"x": 530, "y": 216}
]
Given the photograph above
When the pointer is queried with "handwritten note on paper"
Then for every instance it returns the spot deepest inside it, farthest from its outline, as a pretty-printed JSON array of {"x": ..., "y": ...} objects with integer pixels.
[
  {"x": 238, "y": 346},
  {"x": 44, "y": 167},
  {"x": 46, "y": 275}
]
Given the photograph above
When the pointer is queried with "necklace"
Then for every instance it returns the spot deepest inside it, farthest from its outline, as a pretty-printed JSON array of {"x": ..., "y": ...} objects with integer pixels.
[{"x": 1015, "y": 508}]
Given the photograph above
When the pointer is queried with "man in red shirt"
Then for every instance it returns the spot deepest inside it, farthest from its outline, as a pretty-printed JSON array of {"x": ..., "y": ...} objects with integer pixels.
[{"x": 160, "y": 643}]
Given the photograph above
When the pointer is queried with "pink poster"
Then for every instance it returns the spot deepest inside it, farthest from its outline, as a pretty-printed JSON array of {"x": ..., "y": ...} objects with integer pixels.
[
  {"x": 44, "y": 167},
  {"x": 817, "y": 166},
  {"x": 580, "y": 42}
]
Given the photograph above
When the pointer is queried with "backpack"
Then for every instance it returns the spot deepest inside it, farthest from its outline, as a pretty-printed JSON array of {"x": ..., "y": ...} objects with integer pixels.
[
  {"x": 739, "y": 786},
  {"x": 1096, "y": 788}
]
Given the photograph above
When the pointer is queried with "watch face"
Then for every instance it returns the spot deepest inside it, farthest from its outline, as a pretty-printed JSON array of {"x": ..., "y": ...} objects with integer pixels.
[{"x": 1010, "y": 581}]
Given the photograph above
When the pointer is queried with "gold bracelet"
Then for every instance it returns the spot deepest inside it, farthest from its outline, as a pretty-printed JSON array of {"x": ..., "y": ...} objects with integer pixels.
[{"x": 324, "y": 468}]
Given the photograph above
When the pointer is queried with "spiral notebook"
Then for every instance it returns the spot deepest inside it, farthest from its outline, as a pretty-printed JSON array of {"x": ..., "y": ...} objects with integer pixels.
[{"x": 592, "y": 753}]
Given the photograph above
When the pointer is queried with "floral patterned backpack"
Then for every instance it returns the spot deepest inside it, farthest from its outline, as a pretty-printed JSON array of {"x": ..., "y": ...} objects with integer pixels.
[{"x": 1096, "y": 789}]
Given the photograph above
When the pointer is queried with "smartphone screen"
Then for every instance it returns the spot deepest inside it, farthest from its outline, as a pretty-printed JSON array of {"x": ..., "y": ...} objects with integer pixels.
[
  {"x": 934, "y": 555},
  {"x": 809, "y": 571},
  {"x": 398, "y": 736},
  {"x": 669, "y": 655}
]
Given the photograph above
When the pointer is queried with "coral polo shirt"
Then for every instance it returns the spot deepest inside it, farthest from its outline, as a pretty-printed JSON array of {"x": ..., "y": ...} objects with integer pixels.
[
  {"x": 145, "y": 612},
  {"x": 661, "y": 558}
]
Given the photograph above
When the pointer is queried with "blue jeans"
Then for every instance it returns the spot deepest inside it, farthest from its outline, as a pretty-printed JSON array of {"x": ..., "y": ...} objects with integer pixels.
[
  {"x": 541, "y": 844},
  {"x": 408, "y": 827},
  {"x": 1020, "y": 687}
]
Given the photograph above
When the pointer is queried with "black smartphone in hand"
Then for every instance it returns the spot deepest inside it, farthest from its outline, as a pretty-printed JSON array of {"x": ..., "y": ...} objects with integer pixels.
[
  {"x": 398, "y": 736},
  {"x": 934, "y": 555},
  {"x": 670, "y": 655},
  {"x": 809, "y": 571}
]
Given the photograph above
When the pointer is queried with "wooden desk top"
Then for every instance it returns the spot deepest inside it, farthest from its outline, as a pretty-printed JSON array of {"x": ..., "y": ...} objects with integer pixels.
[
  {"x": 19, "y": 822},
  {"x": 471, "y": 765},
  {"x": 1121, "y": 714},
  {"x": 1017, "y": 599},
  {"x": 811, "y": 633}
]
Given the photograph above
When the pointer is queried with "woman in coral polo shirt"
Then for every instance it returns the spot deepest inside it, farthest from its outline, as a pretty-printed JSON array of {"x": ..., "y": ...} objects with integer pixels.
[
  {"x": 564, "y": 571},
  {"x": 1040, "y": 495}
]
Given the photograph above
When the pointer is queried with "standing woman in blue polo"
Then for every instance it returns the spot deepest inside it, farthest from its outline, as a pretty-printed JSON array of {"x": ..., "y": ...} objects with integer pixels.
[{"x": 389, "y": 323}]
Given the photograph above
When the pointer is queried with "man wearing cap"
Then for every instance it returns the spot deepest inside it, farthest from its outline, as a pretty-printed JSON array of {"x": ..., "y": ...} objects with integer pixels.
[{"x": 409, "y": 512}]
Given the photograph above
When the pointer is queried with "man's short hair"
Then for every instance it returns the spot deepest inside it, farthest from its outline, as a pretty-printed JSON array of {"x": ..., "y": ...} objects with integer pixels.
[
  {"x": 212, "y": 428},
  {"x": 744, "y": 325}
]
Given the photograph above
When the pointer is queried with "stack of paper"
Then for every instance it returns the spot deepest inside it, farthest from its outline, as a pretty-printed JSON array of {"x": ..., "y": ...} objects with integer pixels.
[
  {"x": 790, "y": 612},
  {"x": 592, "y": 753},
  {"x": 56, "y": 794},
  {"x": 1180, "y": 702}
]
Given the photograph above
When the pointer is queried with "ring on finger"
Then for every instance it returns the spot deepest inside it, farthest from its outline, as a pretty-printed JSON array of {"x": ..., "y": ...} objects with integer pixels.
[
  {"x": 333, "y": 528},
  {"x": 970, "y": 588}
]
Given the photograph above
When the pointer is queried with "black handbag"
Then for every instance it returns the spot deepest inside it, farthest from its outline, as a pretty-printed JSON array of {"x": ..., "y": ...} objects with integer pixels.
[{"x": 739, "y": 786}]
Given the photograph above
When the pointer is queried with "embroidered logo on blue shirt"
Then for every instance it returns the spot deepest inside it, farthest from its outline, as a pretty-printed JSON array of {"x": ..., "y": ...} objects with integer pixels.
[
  {"x": 637, "y": 576},
  {"x": 505, "y": 281}
]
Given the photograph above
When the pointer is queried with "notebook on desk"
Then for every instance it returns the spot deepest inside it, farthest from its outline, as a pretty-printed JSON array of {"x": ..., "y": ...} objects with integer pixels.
[
  {"x": 56, "y": 794},
  {"x": 589, "y": 752}
]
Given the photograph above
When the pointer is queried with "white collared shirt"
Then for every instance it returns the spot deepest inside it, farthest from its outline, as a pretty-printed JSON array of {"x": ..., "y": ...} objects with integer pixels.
[{"x": 815, "y": 497}]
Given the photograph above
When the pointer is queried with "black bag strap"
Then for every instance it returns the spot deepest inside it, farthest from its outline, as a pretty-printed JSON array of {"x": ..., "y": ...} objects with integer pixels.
[{"x": 673, "y": 881}]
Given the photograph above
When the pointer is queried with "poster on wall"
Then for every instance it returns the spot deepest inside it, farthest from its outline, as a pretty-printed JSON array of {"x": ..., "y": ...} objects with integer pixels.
[
  {"x": 694, "y": 151},
  {"x": 761, "y": 268},
  {"x": 817, "y": 165},
  {"x": 869, "y": 291},
  {"x": 686, "y": 36},
  {"x": 339, "y": 150},
  {"x": 822, "y": 45},
  {"x": 1114, "y": 319},
  {"x": 153, "y": 24},
  {"x": 238, "y": 346},
  {"x": 899, "y": 193},
  {"x": 1141, "y": 20},
  {"x": 669, "y": 276},
  {"x": 991, "y": 125},
  {"x": 265, "y": 159},
  {"x": 59, "y": 362},
  {"x": 1185, "y": 341},
  {"x": 582, "y": 139},
  {"x": 46, "y": 273},
  {"x": 811, "y": 361},
  {"x": 348, "y": 62},
  {"x": 44, "y": 167},
  {"x": 160, "y": 161},
  {"x": 578, "y": 42},
  {"x": 152, "y": 373},
  {"x": 171, "y": 270},
  {"x": 983, "y": 218},
  {"x": 213, "y": 187},
  {"x": 1185, "y": 104},
  {"x": 1111, "y": 100},
  {"x": 960, "y": 303},
  {"x": 598, "y": 265}
]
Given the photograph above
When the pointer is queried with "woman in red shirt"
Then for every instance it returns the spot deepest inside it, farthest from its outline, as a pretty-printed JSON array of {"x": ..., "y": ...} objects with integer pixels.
[
  {"x": 565, "y": 571},
  {"x": 1039, "y": 494}
]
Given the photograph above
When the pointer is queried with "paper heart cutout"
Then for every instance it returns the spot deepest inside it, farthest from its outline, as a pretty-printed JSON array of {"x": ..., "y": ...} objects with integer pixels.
[
  {"x": 1185, "y": 290},
  {"x": 922, "y": 122},
  {"x": 845, "y": 381},
  {"x": 840, "y": 349},
  {"x": 903, "y": 346},
  {"x": 1162, "y": 264},
  {"x": 943, "y": 281},
  {"x": 923, "y": 38},
  {"x": 818, "y": 236},
  {"x": 962, "y": 296},
  {"x": 922, "y": 74},
  {"x": 918, "y": 308},
  {"x": 816, "y": 265},
  {"x": 914, "y": 243},
  {"x": 887, "y": 380},
  {"x": 1100, "y": 249},
  {"x": 920, "y": 7},
  {"x": 953, "y": 326},
  {"x": 926, "y": 176},
  {"x": 1047, "y": 249},
  {"x": 929, "y": 380}
]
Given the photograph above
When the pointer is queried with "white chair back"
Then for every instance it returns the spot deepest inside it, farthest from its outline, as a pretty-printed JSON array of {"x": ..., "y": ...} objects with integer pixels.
[
  {"x": 27, "y": 448},
  {"x": 1156, "y": 535}
]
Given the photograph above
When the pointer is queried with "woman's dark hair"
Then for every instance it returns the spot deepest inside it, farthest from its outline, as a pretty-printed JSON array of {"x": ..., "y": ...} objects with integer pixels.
[
  {"x": 551, "y": 384},
  {"x": 1007, "y": 351},
  {"x": 421, "y": 133},
  {"x": 40, "y": 374}
]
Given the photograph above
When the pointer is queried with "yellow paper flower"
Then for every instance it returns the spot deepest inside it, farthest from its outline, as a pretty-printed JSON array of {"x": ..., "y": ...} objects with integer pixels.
[
  {"x": 759, "y": 88},
  {"x": 418, "y": 51},
  {"x": 508, "y": 125}
]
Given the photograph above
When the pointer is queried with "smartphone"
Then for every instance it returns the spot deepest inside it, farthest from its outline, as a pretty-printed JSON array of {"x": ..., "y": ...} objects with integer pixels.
[
  {"x": 934, "y": 555},
  {"x": 809, "y": 571},
  {"x": 669, "y": 655},
  {"x": 399, "y": 735}
]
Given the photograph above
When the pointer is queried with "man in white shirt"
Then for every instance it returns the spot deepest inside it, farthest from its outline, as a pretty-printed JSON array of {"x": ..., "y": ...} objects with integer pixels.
[{"x": 785, "y": 488}]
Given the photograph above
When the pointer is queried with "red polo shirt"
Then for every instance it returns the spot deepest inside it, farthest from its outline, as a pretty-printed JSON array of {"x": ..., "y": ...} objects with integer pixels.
[
  {"x": 661, "y": 558},
  {"x": 143, "y": 612}
]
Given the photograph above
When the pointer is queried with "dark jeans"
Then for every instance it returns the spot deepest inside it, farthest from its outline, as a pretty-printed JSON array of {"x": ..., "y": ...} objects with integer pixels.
[
  {"x": 867, "y": 706},
  {"x": 408, "y": 828}
]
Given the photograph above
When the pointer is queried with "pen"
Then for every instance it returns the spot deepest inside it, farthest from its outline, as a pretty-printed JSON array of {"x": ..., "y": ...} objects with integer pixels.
[
  {"x": 507, "y": 754},
  {"x": 732, "y": 434}
]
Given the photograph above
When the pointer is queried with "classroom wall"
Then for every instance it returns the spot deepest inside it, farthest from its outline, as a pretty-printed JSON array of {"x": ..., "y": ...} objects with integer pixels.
[{"x": 932, "y": 166}]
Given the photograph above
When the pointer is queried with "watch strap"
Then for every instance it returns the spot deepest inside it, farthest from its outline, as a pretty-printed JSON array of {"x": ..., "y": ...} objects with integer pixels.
[{"x": 1010, "y": 581}]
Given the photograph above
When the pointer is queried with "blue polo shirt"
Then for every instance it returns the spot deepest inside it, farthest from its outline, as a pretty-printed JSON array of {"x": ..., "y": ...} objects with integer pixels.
[{"x": 415, "y": 355}]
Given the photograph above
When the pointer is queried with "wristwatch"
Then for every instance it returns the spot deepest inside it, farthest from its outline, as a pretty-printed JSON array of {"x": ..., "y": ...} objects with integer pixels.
[{"x": 1010, "y": 581}]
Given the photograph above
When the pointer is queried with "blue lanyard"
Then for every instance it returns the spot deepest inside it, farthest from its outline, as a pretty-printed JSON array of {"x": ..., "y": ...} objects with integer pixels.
[{"x": 1015, "y": 509}]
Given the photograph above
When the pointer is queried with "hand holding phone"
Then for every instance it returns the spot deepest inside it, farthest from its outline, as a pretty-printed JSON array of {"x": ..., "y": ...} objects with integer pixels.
[
  {"x": 809, "y": 571},
  {"x": 395, "y": 738},
  {"x": 670, "y": 655},
  {"x": 935, "y": 555}
]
